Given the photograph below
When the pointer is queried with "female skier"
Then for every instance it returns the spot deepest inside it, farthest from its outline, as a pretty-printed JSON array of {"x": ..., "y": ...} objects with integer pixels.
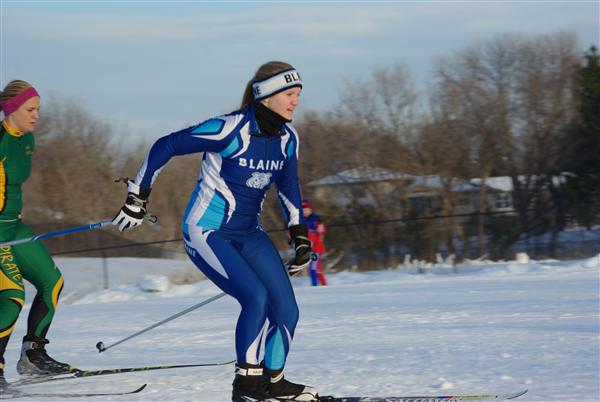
[
  {"x": 245, "y": 152},
  {"x": 20, "y": 103}
]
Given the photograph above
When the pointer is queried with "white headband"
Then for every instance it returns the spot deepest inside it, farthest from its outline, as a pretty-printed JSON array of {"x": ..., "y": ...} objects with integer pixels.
[{"x": 276, "y": 83}]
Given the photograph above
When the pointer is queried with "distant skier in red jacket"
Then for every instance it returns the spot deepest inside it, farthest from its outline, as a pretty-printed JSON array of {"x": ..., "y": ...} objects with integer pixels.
[{"x": 316, "y": 233}]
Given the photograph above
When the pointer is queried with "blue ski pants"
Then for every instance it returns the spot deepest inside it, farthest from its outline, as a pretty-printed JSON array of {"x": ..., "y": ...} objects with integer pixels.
[{"x": 248, "y": 267}]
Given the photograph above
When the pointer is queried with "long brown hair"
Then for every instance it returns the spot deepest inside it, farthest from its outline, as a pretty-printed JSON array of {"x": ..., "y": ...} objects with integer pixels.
[
  {"x": 12, "y": 89},
  {"x": 264, "y": 71}
]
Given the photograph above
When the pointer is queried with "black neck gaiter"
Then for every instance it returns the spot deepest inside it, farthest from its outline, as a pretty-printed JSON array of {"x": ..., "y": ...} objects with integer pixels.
[{"x": 269, "y": 122}]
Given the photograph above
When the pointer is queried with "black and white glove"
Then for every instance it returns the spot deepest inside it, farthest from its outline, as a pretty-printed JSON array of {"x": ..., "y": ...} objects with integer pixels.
[
  {"x": 133, "y": 212},
  {"x": 299, "y": 240}
]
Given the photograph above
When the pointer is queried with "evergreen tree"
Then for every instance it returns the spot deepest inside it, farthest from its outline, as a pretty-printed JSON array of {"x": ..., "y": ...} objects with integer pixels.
[{"x": 583, "y": 188}]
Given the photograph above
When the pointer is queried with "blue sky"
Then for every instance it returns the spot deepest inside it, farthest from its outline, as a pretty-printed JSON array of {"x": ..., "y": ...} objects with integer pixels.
[{"x": 152, "y": 67}]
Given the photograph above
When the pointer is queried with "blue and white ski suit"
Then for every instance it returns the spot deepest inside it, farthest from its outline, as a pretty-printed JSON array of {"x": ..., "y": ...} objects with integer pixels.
[{"x": 221, "y": 227}]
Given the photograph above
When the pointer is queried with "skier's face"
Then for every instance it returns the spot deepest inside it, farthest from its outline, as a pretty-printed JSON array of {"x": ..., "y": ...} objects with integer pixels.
[
  {"x": 284, "y": 103},
  {"x": 25, "y": 117}
]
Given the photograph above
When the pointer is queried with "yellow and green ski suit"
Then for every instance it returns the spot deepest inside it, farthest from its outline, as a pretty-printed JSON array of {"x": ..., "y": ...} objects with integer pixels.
[{"x": 30, "y": 261}]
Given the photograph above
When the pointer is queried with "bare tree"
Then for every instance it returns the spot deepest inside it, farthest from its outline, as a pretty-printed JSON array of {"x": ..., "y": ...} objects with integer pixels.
[
  {"x": 442, "y": 150},
  {"x": 72, "y": 164},
  {"x": 384, "y": 105},
  {"x": 511, "y": 97}
]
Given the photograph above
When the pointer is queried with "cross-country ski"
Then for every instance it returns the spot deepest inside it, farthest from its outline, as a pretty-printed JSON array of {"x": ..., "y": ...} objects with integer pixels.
[
  {"x": 17, "y": 393},
  {"x": 101, "y": 372},
  {"x": 436, "y": 398}
]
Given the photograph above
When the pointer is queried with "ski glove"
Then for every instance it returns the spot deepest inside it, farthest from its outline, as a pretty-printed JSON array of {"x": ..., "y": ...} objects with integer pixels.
[
  {"x": 133, "y": 212},
  {"x": 301, "y": 244}
]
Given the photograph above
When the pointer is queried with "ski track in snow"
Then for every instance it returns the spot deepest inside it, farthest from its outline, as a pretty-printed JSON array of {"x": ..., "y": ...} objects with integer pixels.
[{"x": 491, "y": 328}]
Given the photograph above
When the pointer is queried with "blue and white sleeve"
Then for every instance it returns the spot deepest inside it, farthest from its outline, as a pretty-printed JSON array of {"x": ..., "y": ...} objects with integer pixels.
[
  {"x": 288, "y": 185},
  {"x": 208, "y": 136}
]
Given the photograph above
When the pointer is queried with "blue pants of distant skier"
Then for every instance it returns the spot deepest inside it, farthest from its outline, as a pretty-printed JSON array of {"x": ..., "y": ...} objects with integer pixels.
[
  {"x": 315, "y": 270},
  {"x": 248, "y": 267}
]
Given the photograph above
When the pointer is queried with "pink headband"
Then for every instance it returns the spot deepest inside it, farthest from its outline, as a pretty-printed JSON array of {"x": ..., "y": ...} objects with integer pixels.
[{"x": 10, "y": 106}]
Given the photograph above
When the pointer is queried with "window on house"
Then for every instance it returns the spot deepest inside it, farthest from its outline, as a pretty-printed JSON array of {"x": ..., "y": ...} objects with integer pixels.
[
  {"x": 424, "y": 205},
  {"x": 502, "y": 200}
]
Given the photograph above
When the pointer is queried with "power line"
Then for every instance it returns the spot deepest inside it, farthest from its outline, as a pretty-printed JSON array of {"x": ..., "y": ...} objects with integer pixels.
[{"x": 333, "y": 225}]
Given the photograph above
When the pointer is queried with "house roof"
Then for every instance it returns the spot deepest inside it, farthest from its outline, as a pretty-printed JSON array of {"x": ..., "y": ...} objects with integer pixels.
[
  {"x": 505, "y": 183},
  {"x": 436, "y": 182},
  {"x": 370, "y": 174},
  {"x": 500, "y": 183},
  {"x": 365, "y": 174}
]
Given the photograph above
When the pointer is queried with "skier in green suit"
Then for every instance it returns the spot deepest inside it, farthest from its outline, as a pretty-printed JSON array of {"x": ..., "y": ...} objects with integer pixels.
[{"x": 20, "y": 103}]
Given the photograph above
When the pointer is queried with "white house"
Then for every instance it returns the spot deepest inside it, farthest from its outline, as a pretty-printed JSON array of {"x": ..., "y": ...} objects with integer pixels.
[{"x": 377, "y": 186}]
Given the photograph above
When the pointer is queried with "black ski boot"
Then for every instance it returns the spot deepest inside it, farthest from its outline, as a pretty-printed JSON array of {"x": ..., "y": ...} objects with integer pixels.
[
  {"x": 35, "y": 361},
  {"x": 3, "y": 383},
  {"x": 281, "y": 388},
  {"x": 250, "y": 384}
]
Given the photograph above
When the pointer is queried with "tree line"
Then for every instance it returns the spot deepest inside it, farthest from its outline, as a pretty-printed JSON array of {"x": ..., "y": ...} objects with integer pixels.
[{"x": 527, "y": 107}]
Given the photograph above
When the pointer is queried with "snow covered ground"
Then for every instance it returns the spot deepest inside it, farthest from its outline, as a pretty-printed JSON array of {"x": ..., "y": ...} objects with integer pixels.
[{"x": 486, "y": 328}]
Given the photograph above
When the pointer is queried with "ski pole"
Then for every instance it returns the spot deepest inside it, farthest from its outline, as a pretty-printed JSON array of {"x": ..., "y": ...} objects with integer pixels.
[
  {"x": 91, "y": 373},
  {"x": 97, "y": 225},
  {"x": 100, "y": 345}
]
